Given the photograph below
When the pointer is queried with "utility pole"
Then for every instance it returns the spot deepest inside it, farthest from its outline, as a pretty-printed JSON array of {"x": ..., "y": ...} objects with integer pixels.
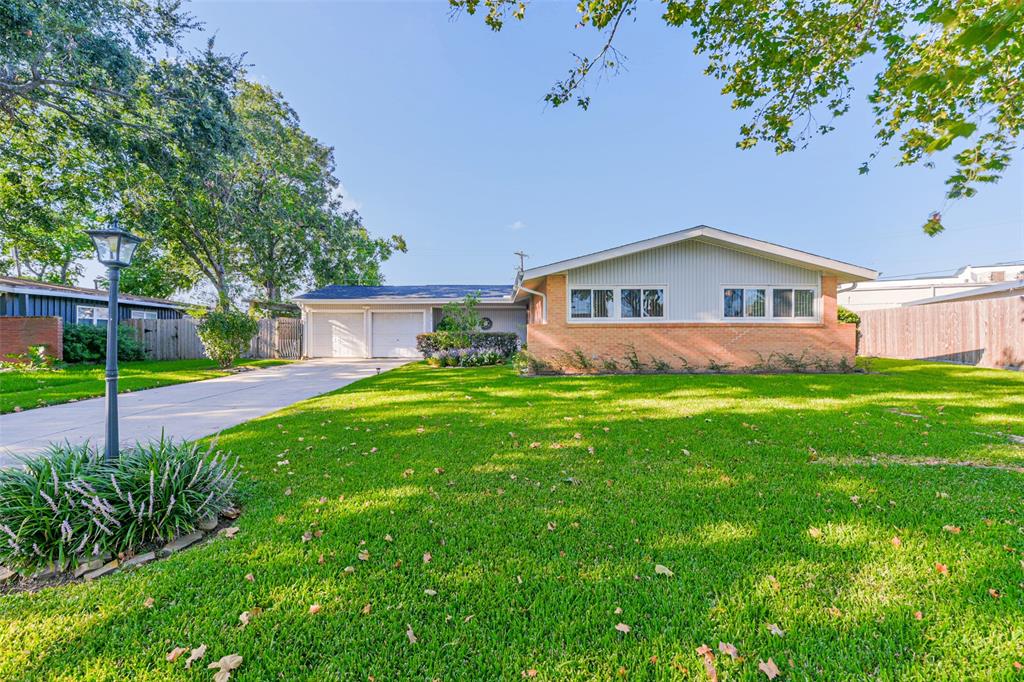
[{"x": 522, "y": 260}]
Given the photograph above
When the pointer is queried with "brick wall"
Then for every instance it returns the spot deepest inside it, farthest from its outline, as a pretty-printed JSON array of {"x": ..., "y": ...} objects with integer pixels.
[
  {"x": 18, "y": 333},
  {"x": 697, "y": 342}
]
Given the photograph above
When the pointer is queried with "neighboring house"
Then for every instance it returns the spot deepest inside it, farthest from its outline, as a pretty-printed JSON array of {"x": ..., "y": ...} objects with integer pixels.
[
  {"x": 342, "y": 321},
  {"x": 893, "y": 293},
  {"x": 1000, "y": 290},
  {"x": 76, "y": 305},
  {"x": 701, "y": 294}
]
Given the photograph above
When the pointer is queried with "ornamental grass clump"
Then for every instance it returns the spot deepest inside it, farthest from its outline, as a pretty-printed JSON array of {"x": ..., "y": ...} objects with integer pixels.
[{"x": 60, "y": 508}]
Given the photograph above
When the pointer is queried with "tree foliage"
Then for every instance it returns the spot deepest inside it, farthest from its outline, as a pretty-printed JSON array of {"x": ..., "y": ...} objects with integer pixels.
[{"x": 949, "y": 74}]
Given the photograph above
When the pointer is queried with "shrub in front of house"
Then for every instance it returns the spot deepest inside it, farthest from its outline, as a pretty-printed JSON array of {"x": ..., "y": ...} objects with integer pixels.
[
  {"x": 88, "y": 343},
  {"x": 505, "y": 344},
  {"x": 225, "y": 334},
  {"x": 64, "y": 507},
  {"x": 466, "y": 357}
]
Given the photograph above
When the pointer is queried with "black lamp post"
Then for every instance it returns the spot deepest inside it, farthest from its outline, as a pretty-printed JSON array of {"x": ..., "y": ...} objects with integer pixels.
[{"x": 114, "y": 248}]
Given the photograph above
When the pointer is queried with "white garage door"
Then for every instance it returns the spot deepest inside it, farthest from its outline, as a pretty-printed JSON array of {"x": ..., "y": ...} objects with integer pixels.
[
  {"x": 394, "y": 334},
  {"x": 336, "y": 335}
]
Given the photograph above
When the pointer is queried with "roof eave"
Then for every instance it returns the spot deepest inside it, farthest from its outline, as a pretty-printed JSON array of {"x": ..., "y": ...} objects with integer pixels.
[{"x": 298, "y": 300}]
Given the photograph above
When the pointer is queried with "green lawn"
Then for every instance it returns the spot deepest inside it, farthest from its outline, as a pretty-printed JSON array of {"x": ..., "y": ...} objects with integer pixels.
[
  {"x": 38, "y": 389},
  {"x": 545, "y": 505}
]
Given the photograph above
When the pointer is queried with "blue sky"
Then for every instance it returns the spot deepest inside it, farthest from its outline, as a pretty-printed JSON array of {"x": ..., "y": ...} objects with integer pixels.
[{"x": 441, "y": 134}]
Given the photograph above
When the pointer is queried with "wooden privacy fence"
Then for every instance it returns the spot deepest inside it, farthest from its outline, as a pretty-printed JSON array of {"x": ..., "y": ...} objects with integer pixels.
[
  {"x": 177, "y": 339},
  {"x": 985, "y": 333}
]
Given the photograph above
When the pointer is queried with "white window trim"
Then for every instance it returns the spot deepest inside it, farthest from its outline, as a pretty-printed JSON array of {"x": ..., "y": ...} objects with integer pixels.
[
  {"x": 769, "y": 305},
  {"x": 92, "y": 320},
  {"x": 144, "y": 315},
  {"x": 615, "y": 317}
]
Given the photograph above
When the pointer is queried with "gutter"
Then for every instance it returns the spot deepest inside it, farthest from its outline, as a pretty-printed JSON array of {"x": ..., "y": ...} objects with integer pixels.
[{"x": 543, "y": 301}]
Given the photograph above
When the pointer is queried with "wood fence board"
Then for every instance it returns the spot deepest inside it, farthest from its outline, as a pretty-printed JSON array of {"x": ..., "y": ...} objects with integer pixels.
[
  {"x": 178, "y": 340},
  {"x": 985, "y": 333}
]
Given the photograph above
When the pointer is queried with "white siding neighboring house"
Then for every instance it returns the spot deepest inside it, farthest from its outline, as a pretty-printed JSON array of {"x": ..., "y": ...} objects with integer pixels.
[{"x": 893, "y": 293}]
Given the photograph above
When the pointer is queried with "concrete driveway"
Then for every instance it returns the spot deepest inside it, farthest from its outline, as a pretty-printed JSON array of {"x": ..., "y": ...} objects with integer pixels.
[{"x": 187, "y": 411}]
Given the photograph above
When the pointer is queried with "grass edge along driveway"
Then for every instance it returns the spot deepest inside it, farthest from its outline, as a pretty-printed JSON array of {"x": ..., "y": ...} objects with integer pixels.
[
  {"x": 512, "y": 526},
  {"x": 31, "y": 389}
]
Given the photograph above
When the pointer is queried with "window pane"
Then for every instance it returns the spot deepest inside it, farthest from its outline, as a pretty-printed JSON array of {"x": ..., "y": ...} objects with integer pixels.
[
  {"x": 754, "y": 303},
  {"x": 603, "y": 302},
  {"x": 654, "y": 302},
  {"x": 630, "y": 303},
  {"x": 734, "y": 302},
  {"x": 782, "y": 303},
  {"x": 805, "y": 303},
  {"x": 580, "y": 303}
]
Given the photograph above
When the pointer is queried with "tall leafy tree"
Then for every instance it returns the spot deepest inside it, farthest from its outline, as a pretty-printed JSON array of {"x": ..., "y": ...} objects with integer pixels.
[
  {"x": 344, "y": 252},
  {"x": 94, "y": 96},
  {"x": 949, "y": 74}
]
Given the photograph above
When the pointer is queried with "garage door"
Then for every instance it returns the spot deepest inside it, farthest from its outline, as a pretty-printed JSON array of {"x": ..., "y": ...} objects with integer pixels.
[
  {"x": 394, "y": 334},
  {"x": 336, "y": 335}
]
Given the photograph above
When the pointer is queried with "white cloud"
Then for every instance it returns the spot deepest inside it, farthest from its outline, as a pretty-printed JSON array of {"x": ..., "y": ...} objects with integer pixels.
[
  {"x": 517, "y": 225},
  {"x": 347, "y": 202}
]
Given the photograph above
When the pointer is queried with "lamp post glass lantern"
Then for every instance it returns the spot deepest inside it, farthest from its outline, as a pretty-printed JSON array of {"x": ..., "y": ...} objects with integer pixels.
[{"x": 114, "y": 249}]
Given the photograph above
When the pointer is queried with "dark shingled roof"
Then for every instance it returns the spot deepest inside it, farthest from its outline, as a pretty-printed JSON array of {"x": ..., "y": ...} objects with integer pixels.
[{"x": 425, "y": 291}]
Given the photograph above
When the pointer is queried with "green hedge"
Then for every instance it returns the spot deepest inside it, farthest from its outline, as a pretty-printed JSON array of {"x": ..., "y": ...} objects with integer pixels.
[
  {"x": 505, "y": 343},
  {"x": 88, "y": 343}
]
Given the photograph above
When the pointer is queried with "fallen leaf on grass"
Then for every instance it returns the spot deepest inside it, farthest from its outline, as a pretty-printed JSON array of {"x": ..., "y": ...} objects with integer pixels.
[
  {"x": 552, "y": 526},
  {"x": 388, "y": 538},
  {"x": 411, "y": 635},
  {"x": 314, "y": 609},
  {"x": 149, "y": 602},
  {"x": 814, "y": 532},
  {"x": 366, "y": 610},
  {"x": 994, "y": 593},
  {"x": 918, "y": 615},
  {"x": 774, "y": 582},
  {"x": 364, "y": 556},
  {"x": 951, "y": 529},
  {"x": 709, "y": 662},
  {"x": 175, "y": 653},
  {"x": 623, "y": 628},
  {"x": 250, "y": 577},
  {"x": 729, "y": 650},
  {"x": 427, "y": 557},
  {"x": 224, "y": 667},
  {"x": 530, "y": 673},
  {"x": 231, "y": 532},
  {"x": 834, "y": 612},
  {"x": 775, "y": 630},
  {"x": 438, "y": 470},
  {"x": 942, "y": 568},
  {"x": 896, "y": 542},
  {"x": 663, "y": 570},
  {"x": 407, "y": 473},
  {"x": 195, "y": 655},
  {"x": 429, "y": 592},
  {"x": 768, "y": 668}
]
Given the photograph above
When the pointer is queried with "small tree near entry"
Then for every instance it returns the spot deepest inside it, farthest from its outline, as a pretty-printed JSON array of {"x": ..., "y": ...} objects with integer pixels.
[
  {"x": 226, "y": 334},
  {"x": 460, "y": 316}
]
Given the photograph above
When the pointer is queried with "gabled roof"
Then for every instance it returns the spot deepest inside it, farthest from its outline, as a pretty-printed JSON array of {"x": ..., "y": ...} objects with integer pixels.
[
  {"x": 19, "y": 285},
  {"x": 421, "y": 294},
  {"x": 846, "y": 272},
  {"x": 1008, "y": 287}
]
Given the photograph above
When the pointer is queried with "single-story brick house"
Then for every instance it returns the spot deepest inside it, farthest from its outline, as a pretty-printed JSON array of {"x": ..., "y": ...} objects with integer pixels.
[
  {"x": 77, "y": 305},
  {"x": 701, "y": 294}
]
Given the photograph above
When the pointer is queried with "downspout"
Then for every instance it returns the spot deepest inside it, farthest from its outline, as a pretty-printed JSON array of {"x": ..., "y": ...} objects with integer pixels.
[{"x": 543, "y": 302}]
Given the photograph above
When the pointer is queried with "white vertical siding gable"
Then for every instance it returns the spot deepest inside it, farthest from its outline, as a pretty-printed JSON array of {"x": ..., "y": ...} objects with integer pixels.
[{"x": 694, "y": 272}]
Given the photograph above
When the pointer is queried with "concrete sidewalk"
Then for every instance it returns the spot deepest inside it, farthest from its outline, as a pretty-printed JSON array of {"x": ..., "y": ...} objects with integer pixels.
[{"x": 186, "y": 411}]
